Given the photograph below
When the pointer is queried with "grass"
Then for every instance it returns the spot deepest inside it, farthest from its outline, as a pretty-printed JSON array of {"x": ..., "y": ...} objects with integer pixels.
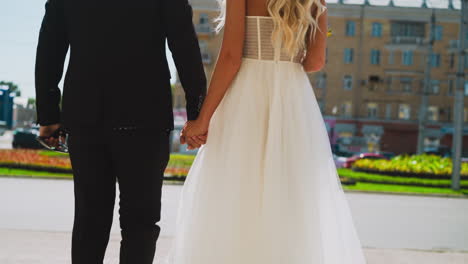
[
  {"x": 52, "y": 153},
  {"x": 33, "y": 174},
  {"x": 382, "y": 183},
  {"x": 365, "y": 181},
  {"x": 372, "y": 187}
]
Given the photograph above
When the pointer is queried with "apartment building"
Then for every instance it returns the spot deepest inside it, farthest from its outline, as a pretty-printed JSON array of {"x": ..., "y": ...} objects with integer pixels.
[
  {"x": 204, "y": 14},
  {"x": 370, "y": 90}
]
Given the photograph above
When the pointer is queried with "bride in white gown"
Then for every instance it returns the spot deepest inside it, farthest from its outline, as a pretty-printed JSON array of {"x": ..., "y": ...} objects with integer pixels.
[{"x": 264, "y": 188}]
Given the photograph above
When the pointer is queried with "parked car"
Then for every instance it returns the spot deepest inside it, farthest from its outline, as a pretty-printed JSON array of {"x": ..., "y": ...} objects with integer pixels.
[
  {"x": 350, "y": 161},
  {"x": 443, "y": 151},
  {"x": 26, "y": 138}
]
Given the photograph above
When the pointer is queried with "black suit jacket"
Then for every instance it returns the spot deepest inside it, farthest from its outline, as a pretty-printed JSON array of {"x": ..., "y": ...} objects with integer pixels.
[{"x": 118, "y": 73}]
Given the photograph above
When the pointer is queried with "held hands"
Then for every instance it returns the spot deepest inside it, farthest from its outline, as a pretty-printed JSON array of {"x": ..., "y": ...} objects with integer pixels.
[{"x": 194, "y": 134}]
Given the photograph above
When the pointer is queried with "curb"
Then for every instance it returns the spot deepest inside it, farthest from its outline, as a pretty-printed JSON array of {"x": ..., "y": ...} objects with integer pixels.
[
  {"x": 173, "y": 182},
  {"x": 435, "y": 195},
  {"x": 166, "y": 181},
  {"x": 435, "y": 250}
]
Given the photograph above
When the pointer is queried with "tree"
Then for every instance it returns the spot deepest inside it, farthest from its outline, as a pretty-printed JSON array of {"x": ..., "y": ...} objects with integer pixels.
[
  {"x": 31, "y": 102},
  {"x": 13, "y": 87}
]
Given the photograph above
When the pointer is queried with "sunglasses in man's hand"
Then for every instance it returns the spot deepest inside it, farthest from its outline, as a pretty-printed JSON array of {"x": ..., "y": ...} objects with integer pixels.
[{"x": 62, "y": 136}]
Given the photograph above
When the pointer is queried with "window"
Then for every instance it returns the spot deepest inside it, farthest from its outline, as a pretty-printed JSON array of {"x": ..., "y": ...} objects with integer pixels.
[
  {"x": 389, "y": 82},
  {"x": 321, "y": 81},
  {"x": 404, "y": 112},
  {"x": 372, "y": 110},
  {"x": 388, "y": 111},
  {"x": 451, "y": 84},
  {"x": 374, "y": 81},
  {"x": 438, "y": 34},
  {"x": 348, "y": 55},
  {"x": 435, "y": 60},
  {"x": 408, "y": 29},
  {"x": 204, "y": 18},
  {"x": 346, "y": 109},
  {"x": 466, "y": 88},
  {"x": 376, "y": 30},
  {"x": 465, "y": 115},
  {"x": 432, "y": 113},
  {"x": 452, "y": 60},
  {"x": 391, "y": 57},
  {"x": 375, "y": 57},
  {"x": 407, "y": 57},
  {"x": 350, "y": 28},
  {"x": 435, "y": 87},
  {"x": 348, "y": 82},
  {"x": 449, "y": 113},
  {"x": 206, "y": 56},
  {"x": 406, "y": 84}
]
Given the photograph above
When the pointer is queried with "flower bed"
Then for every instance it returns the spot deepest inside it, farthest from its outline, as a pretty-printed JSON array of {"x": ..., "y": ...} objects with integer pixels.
[
  {"x": 419, "y": 166},
  {"x": 49, "y": 161},
  {"x": 178, "y": 167},
  {"x": 34, "y": 160}
]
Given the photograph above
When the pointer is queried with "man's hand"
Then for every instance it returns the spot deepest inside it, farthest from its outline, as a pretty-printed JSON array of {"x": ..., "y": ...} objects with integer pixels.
[
  {"x": 47, "y": 131},
  {"x": 194, "y": 134}
]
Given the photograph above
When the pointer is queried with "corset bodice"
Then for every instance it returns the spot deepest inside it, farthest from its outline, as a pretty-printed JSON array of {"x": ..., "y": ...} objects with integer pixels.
[{"x": 258, "y": 43}]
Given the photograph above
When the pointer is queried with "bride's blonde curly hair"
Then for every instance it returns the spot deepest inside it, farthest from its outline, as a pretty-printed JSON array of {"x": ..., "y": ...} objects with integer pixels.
[{"x": 292, "y": 18}]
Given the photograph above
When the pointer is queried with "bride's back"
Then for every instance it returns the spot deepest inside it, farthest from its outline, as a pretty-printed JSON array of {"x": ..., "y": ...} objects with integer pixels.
[
  {"x": 294, "y": 20},
  {"x": 258, "y": 35},
  {"x": 297, "y": 25}
]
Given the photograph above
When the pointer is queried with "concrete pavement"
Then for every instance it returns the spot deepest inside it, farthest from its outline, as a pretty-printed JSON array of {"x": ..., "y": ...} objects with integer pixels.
[
  {"x": 36, "y": 219},
  {"x": 35, "y": 247}
]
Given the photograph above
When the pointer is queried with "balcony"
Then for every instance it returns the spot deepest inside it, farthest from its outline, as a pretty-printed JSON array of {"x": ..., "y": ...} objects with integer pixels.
[
  {"x": 407, "y": 40},
  {"x": 204, "y": 29},
  {"x": 454, "y": 44},
  {"x": 406, "y": 43}
]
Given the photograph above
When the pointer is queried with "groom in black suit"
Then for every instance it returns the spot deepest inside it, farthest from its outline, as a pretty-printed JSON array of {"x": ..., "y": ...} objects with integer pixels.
[{"x": 117, "y": 107}]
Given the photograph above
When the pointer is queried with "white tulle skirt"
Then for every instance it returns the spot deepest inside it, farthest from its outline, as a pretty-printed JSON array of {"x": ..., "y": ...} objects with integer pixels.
[{"x": 264, "y": 189}]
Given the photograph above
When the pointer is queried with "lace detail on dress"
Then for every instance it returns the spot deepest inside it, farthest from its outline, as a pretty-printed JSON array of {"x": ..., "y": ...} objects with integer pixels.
[{"x": 258, "y": 44}]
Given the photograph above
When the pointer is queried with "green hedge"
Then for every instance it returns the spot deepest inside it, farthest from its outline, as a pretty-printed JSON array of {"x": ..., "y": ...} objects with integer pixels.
[
  {"x": 397, "y": 180},
  {"x": 420, "y": 166}
]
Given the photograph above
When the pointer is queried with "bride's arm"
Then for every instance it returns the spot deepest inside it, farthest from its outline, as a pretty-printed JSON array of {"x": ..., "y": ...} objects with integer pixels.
[
  {"x": 227, "y": 65},
  {"x": 316, "y": 49}
]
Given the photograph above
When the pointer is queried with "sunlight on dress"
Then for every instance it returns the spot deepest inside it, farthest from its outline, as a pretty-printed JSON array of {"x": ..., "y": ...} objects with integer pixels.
[{"x": 264, "y": 189}]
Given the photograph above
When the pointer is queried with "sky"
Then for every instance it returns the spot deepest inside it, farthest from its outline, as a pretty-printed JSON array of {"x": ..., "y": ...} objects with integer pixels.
[{"x": 20, "y": 21}]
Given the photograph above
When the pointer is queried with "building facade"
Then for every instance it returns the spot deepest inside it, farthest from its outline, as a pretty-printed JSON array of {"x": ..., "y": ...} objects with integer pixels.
[
  {"x": 204, "y": 14},
  {"x": 371, "y": 87}
]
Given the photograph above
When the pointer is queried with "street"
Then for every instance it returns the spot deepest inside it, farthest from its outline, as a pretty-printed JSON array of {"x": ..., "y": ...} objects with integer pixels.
[{"x": 42, "y": 210}]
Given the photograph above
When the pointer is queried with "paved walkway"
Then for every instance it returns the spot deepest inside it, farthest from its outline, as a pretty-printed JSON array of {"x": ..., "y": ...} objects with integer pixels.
[
  {"x": 35, "y": 247},
  {"x": 36, "y": 218},
  {"x": 382, "y": 221}
]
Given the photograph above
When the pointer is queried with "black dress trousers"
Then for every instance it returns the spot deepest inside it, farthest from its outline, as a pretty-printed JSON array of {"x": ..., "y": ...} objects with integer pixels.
[{"x": 133, "y": 157}]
